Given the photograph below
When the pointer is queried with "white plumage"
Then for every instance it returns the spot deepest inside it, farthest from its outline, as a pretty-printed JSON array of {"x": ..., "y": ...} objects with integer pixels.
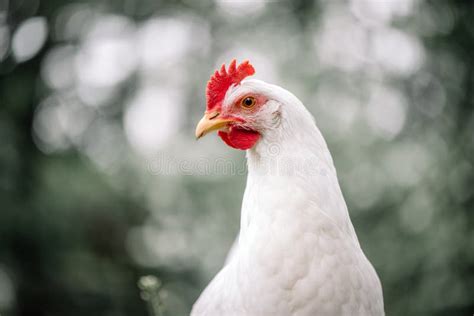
[{"x": 297, "y": 252}]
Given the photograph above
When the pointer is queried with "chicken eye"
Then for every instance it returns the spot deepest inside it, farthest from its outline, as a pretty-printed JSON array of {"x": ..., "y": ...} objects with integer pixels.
[{"x": 248, "y": 102}]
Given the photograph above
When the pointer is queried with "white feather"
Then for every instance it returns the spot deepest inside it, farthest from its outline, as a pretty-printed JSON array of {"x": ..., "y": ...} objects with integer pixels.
[{"x": 297, "y": 251}]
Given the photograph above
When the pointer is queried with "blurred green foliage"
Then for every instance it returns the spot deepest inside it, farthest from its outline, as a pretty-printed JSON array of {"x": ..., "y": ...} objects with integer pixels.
[{"x": 99, "y": 98}]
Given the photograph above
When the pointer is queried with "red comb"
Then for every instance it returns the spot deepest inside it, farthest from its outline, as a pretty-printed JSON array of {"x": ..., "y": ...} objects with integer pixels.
[{"x": 223, "y": 79}]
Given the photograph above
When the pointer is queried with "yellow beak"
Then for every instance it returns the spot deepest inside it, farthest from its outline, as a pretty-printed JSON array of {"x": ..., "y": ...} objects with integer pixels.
[{"x": 210, "y": 122}]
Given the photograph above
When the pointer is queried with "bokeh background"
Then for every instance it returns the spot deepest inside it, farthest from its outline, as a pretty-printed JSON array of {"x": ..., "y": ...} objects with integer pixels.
[{"x": 99, "y": 100}]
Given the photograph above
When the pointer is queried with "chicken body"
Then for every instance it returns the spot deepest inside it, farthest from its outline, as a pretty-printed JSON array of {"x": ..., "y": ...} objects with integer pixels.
[{"x": 297, "y": 252}]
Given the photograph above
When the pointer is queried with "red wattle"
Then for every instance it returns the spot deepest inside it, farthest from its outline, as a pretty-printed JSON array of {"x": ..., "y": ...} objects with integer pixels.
[
  {"x": 225, "y": 138},
  {"x": 240, "y": 138}
]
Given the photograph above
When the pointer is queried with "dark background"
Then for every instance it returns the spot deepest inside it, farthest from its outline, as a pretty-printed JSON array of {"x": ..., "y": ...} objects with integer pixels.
[{"x": 98, "y": 102}]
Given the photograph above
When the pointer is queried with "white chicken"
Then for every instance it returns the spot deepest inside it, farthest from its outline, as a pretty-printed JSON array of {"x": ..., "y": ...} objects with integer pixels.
[{"x": 297, "y": 252}]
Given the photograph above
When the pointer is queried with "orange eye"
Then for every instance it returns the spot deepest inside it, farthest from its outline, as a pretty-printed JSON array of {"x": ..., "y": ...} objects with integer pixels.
[{"x": 248, "y": 102}]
